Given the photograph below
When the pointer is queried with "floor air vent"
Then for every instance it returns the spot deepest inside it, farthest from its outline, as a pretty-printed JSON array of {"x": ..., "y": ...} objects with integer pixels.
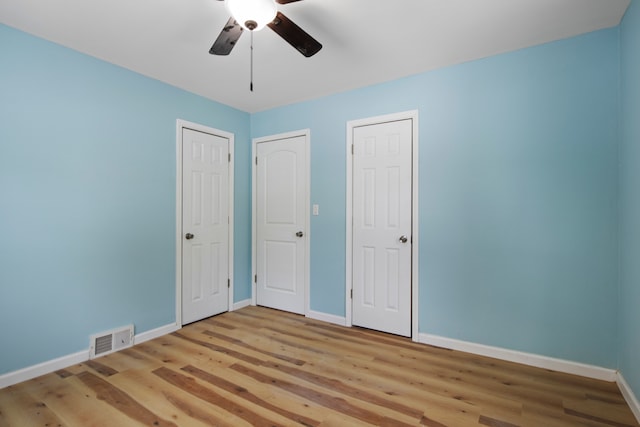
[{"x": 110, "y": 341}]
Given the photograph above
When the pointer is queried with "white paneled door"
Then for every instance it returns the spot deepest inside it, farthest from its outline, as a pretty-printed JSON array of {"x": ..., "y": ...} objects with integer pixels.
[
  {"x": 281, "y": 234},
  {"x": 382, "y": 180},
  {"x": 205, "y": 225}
]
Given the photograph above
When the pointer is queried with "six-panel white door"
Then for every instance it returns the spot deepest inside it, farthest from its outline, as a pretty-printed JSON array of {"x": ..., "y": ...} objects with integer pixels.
[
  {"x": 205, "y": 225},
  {"x": 280, "y": 223},
  {"x": 382, "y": 227}
]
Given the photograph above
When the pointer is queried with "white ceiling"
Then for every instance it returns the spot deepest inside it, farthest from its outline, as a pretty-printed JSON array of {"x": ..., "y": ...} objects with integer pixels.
[{"x": 365, "y": 41}]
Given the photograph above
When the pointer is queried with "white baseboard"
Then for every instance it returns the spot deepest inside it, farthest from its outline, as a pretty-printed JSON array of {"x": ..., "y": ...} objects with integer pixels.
[
  {"x": 43, "y": 368},
  {"x": 566, "y": 366},
  {"x": 629, "y": 396},
  {"x": 329, "y": 318},
  {"x": 155, "y": 333},
  {"x": 241, "y": 304},
  {"x": 47, "y": 367}
]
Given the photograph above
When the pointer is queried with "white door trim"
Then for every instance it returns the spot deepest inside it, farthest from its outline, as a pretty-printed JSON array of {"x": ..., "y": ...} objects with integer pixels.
[
  {"x": 407, "y": 115},
  {"x": 306, "y": 133},
  {"x": 180, "y": 125}
]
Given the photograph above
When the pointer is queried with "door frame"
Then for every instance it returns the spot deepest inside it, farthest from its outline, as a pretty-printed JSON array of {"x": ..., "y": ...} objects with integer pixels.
[
  {"x": 306, "y": 133},
  {"x": 406, "y": 115},
  {"x": 180, "y": 125}
]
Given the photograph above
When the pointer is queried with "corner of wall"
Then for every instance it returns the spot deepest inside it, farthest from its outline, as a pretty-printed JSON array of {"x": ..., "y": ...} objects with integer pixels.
[{"x": 629, "y": 396}]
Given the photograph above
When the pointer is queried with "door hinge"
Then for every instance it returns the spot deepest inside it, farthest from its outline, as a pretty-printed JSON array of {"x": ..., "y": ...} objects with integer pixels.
[
  {"x": 229, "y": 157},
  {"x": 256, "y": 160},
  {"x": 351, "y": 293},
  {"x": 255, "y": 278},
  {"x": 228, "y": 283},
  {"x": 352, "y": 149}
]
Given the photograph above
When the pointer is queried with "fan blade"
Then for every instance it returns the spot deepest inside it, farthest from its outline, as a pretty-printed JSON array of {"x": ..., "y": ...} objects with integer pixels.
[
  {"x": 227, "y": 38},
  {"x": 285, "y": 1},
  {"x": 294, "y": 35}
]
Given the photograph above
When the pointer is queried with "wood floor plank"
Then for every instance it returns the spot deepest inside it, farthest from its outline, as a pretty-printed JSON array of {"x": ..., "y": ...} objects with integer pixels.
[
  {"x": 169, "y": 403},
  {"x": 422, "y": 353},
  {"x": 598, "y": 410},
  {"x": 476, "y": 381},
  {"x": 408, "y": 346},
  {"x": 385, "y": 381},
  {"x": 227, "y": 350},
  {"x": 272, "y": 395},
  {"x": 101, "y": 368},
  {"x": 338, "y": 385},
  {"x": 244, "y": 393},
  {"x": 122, "y": 401},
  {"x": 33, "y": 411},
  {"x": 494, "y": 422},
  {"x": 72, "y": 370},
  {"x": 124, "y": 360},
  {"x": 348, "y": 373},
  {"x": 171, "y": 350},
  {"x": 74, "y": 404},
  {"x": 212, "y": 397},
  {"x": 462, "y": 387},
  {"x": 258, "y": 366},
  {"x": 341, "y": 387},
  {"x": 196, "y": 412},
  {"x": 408, "y": 385},
  {"x": 243, "y": 344},
  {"x": 338, "y": 404}
]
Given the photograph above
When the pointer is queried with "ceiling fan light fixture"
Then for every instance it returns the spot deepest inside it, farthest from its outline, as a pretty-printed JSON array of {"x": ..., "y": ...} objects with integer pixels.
[{"x": 252, "y": 15}]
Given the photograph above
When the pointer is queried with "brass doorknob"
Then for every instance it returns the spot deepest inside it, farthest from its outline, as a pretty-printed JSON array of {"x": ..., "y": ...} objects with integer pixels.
[
  {"x": 299, "y": 234},
  {"x": 188, "y": 236},
  {"x": 403, "y": 239}
]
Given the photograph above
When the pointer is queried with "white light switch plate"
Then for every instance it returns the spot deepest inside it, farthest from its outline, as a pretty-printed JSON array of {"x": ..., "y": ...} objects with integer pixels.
[{"x": 316, "y": 209}]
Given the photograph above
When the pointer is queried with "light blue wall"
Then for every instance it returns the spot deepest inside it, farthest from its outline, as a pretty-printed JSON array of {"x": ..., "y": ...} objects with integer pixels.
[
  {"x": 87, "y": 187},
  {"x": 630, "y": 200},
  {"x": 518, "y": 195}
]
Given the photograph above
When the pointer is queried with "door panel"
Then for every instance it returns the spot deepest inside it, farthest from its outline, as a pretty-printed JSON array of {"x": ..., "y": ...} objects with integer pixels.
[
  {"x": 381, "y": 257},
  {"x": 280, "y": 263},
  {"x": 280, "y": 214},
  {"x": 205, "y": 215}
]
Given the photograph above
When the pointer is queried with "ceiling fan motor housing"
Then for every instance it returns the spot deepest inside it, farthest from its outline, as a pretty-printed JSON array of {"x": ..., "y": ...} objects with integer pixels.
[{"x": 252, "y": 14}]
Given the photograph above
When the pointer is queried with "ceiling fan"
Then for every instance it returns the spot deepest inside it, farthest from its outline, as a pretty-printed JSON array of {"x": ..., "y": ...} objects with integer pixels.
[{"x": 254, "y": 15}]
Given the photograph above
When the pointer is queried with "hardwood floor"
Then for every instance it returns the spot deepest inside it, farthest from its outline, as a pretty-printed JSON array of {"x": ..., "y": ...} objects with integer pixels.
[{"x": 262, "y": 367}]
